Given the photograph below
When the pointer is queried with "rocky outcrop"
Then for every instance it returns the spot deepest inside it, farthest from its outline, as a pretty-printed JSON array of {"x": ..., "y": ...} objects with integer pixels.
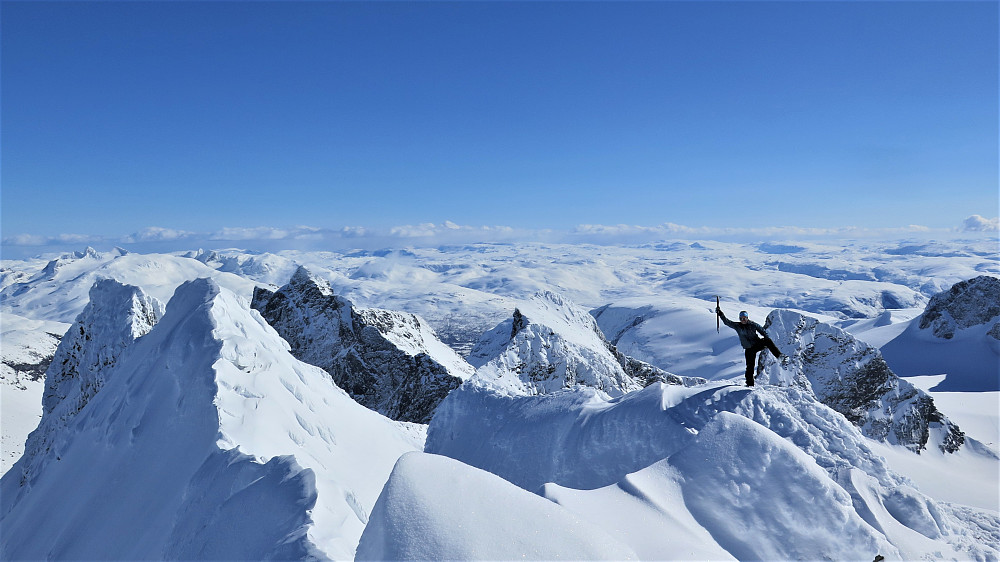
[
  {"x": 391, "y": 362},
  {"x": 549, "y": 344},
  {"x": 967, "y": 304},
  {"x": 115, "y": 317},
  {"x": 851, "y": 377}
]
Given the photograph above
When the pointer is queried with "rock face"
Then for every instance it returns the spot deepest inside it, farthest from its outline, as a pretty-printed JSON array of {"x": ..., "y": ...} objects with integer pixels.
[
  {"x": 391, "y": 362},
  {"x": 549, "y": 344},
  {"x": 967, "y": 304},
  {"x": 851, "y": 377}
]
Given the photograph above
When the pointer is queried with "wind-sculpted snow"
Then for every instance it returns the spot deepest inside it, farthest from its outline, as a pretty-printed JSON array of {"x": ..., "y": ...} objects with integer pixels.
[
  {"x": 114, "y": 318},
  {"x": 435, "y": 508},
  {"x": 851, "y": 377},
  {"x": 207, "y": 440},
  {"x": 727, "y": 464},
  {"x": 391, "y": 362},
  {"x": 551, "y": 344}
]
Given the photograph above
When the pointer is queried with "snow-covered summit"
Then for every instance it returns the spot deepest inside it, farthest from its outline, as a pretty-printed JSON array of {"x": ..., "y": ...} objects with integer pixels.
[
  {"x": 851, "y": 377},
  {"x": 549, "y": 344},
  {"x": 207, "y": 440},
  {"x": 968, "y": 303},
  {"x": 387, "y": 360}
]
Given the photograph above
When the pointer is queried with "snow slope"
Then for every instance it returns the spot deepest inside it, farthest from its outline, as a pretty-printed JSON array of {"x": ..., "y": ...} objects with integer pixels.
[
  {"x": 26, "y": 347},
  {"x": 958, "y": 334},
  {"x": 208, "y": 440},
  {"x": 435, "y": 508}
]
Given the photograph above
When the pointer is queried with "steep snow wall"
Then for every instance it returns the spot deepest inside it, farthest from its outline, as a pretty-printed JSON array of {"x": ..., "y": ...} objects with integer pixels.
[{"x": 207, "y": 440}]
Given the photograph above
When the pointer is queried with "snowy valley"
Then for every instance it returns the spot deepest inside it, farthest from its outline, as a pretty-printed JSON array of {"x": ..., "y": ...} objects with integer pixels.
[{"x": 502, "y": 401}]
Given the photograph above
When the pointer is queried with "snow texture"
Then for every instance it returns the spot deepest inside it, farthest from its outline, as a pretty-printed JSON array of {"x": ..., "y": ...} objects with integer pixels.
[{"x": 436, "y": 508}]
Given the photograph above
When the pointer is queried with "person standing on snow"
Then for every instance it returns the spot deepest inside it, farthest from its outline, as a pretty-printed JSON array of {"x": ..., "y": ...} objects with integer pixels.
[{"x": 747, "y": 330}]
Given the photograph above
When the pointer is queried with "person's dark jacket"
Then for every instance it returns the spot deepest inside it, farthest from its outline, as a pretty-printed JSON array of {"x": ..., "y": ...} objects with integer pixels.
[{"x": 747, "y": 332}]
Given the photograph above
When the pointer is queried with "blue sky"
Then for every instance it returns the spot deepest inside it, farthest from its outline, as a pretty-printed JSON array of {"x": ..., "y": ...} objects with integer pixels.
[{"x": 197, "y": 116}]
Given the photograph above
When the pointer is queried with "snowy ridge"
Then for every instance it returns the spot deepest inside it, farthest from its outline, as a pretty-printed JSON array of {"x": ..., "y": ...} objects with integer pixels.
[
  {"x": 717, "y": 460},
  {"x": 851, "y": 377},
  {"x": 389, "y": 361},
  {"x": 201, "y": 423}
]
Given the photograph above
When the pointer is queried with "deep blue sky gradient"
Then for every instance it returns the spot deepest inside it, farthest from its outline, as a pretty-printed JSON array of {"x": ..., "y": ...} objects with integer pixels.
[{"x": 201, "y": 115}]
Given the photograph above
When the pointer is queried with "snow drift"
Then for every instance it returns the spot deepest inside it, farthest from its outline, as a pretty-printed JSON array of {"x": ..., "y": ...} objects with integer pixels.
[{"x": 207, "y": 440}]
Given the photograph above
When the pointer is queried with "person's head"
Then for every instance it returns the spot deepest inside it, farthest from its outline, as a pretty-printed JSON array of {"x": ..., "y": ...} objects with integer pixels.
[{"x": 744, "y": 317}]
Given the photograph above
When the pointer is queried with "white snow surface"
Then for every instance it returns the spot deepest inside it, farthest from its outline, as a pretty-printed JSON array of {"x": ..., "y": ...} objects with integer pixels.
[
  {"x": 210, "y": 441},
  {"x": 436, "y": 508}
]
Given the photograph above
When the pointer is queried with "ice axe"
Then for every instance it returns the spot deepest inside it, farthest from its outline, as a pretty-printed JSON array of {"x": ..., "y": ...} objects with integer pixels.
[{"x": 716, "y": 314}]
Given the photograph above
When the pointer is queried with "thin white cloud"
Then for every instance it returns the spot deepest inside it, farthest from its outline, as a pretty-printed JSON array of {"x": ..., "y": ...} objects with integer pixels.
[
  {"x": 977, "y": 223},
  {"x": 265, "y": 238},
  {"x": 156, "y": 234}
]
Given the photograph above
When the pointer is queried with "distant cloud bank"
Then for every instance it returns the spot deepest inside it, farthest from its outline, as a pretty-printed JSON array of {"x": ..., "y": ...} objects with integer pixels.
[
  {"x": 976, "y": 223},
  {"x": 265, "y": 238}
]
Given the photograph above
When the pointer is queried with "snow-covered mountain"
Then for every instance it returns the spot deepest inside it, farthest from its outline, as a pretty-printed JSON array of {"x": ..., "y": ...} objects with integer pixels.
[
  {"x": 389, "y": 361},
  {"x": 549, "y": 344},
  {"x": 958, "y": 334},
  {"x": 851, "y": 377},
  {"x": 207, "y": 440}
]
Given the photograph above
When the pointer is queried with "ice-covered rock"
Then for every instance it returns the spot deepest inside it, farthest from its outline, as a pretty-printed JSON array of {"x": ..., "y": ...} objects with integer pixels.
[
  {"x": 851, "y": 377},
  {"x": 207, "y": 440},
  {"x": 389, "y": 361},
  {"x": 967, "y": 304},
  {"x": 550, "y": 344}
]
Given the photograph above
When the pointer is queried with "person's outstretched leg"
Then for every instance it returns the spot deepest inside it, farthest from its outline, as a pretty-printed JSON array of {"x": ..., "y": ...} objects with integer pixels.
[{"x": 773, "y": 348}]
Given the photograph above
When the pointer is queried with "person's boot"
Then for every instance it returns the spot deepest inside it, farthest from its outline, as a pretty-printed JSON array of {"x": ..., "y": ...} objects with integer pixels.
[{"x": 749, "y": 380}]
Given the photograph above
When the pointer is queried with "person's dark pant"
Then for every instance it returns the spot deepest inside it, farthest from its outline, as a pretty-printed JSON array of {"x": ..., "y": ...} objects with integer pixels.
[{"x": 751, "y": 355}]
